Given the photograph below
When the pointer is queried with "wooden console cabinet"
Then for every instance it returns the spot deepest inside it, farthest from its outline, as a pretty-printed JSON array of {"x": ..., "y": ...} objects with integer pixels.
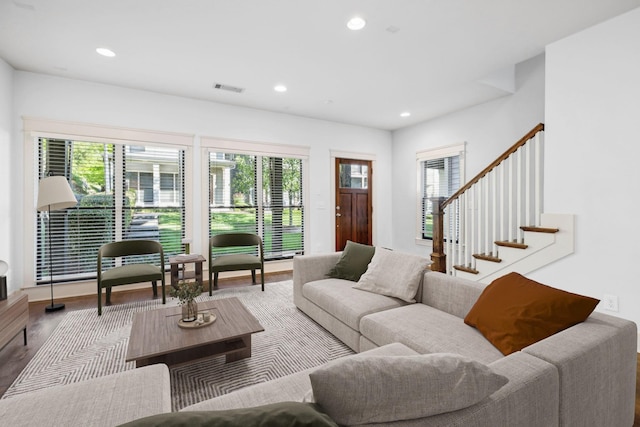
[{"x": 14, "y": 316}]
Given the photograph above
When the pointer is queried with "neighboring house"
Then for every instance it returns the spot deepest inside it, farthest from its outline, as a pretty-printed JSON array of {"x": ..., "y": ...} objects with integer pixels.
[{"x": 154, "y": 181}]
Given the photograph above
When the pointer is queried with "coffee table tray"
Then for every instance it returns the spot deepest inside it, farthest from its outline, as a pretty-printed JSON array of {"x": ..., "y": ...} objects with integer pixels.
[{"x": 199, "y": 323}]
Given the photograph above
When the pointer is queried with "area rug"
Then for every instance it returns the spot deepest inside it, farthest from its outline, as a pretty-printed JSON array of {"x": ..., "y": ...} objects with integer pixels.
[{"x": 85, "y": 345}]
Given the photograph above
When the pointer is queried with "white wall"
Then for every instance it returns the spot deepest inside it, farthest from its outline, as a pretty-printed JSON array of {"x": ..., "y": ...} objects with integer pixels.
[
  {"x": 6, "y": 103},
  {"x": 49, "y": 97},
  {"x": 488, "y": 129},
  {"x": 592, "y": 158}
]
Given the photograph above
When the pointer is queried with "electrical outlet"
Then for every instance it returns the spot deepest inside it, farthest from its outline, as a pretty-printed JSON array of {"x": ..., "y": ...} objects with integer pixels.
[{"x": 610, "y": 302}]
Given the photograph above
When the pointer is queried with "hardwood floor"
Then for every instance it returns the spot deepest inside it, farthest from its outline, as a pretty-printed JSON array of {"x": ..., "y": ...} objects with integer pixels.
[{"x": 15, "y": 356}]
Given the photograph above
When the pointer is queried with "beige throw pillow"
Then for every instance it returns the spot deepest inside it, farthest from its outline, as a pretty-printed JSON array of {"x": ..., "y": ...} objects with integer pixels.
[
  {"x": 381, "y": 389},
  {"x": 395, "y": 274}
]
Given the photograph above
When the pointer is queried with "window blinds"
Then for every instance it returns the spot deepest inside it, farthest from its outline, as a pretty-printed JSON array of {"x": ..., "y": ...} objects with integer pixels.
[
  {"x": 440, "y": 179},
  {"x": 141, "y": 198},
  {"x": 258, "y": 194}
]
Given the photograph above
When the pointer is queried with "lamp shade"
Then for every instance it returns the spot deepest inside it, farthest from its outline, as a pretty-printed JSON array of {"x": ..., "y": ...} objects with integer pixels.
[{"x": 54, "y": 193}]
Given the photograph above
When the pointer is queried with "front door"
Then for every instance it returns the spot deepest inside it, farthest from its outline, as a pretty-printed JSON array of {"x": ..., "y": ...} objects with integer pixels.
[{"x": 353, "y": 202}]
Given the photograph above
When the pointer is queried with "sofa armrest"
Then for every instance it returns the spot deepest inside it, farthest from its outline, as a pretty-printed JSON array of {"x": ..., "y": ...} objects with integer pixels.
[
  {"x": 529, "y": 399},
  {"x": 596, "y": 361},
  {"x": 308, "y": 268},
  {"x": 104, "y": 401}
]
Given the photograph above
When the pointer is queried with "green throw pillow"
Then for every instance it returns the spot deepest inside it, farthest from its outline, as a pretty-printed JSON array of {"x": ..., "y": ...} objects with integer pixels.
[
  {"x": 354, "y": 261},
  {"x": 286, "y": 414}
]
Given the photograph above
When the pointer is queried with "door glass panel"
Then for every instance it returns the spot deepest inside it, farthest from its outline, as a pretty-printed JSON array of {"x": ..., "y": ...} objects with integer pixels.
[{"x": 353, "y": 176}]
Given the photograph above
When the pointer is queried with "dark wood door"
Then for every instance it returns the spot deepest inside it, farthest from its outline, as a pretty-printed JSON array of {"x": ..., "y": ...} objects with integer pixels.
[{"x": 353, "y": 202}]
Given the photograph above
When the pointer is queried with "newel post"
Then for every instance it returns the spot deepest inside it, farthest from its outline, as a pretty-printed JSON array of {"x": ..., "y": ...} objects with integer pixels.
[{"x": 438, "y": 257}]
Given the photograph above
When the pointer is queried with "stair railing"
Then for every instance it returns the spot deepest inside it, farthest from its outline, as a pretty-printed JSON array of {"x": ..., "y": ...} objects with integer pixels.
[{"x": 491, "y": 207}]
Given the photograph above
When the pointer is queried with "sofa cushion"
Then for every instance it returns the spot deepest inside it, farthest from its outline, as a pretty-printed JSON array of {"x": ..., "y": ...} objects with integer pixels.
[
  {"x": 428, "y": 330},
  {"x": 379, "y": 389},
  {"x": 285, "y": 414},
  {"x": 395, "y": 274},
  {"x": 514, "y": 312},
  {"x": 451, "y": 294},
  {"x": 131, "y": 273},
  {"x": 338, "y": 298},
  {"x": 353, "y": 262}
]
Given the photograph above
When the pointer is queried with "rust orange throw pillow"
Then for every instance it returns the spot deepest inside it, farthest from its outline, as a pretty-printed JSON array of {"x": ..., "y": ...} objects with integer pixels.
[{"x": 514, "y": 312}]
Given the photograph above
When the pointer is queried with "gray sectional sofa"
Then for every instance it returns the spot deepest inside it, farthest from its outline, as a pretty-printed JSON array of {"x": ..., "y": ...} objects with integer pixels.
[{"x": 582, "y": 376}]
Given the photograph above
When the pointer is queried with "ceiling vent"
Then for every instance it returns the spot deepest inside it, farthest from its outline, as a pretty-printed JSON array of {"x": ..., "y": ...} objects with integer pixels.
[{"x": 228, "y": 88}]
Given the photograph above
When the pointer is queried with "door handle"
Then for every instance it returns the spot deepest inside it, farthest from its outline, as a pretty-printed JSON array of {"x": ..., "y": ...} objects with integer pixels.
[{"x": 338, "y": 214}]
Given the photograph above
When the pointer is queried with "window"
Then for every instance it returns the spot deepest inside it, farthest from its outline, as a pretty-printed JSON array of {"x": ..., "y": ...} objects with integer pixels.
[
  {"x": 123, "y": 192},
  {"x": 353, "y": 176},
  {"x": 439, "y": 173},
  {"x": 258, "y": 194}
]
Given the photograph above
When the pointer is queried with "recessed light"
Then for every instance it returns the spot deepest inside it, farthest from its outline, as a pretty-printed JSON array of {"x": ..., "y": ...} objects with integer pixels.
[
  {"x": 405, "y": 114},
  {"x": 392, "y": 29},
  {"x": 106, "y": 52},
  {"x": 280, "y": 88},
  {"x": 356, "y": 23}
]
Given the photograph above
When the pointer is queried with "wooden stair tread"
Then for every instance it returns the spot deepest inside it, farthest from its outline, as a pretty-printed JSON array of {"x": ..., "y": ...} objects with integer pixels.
[
  {"x": 539, "y": 229},
  {"x": 466, "y": 269},
  {"x": 512, "y": 245},
  {"x": 487, "y": 257}
]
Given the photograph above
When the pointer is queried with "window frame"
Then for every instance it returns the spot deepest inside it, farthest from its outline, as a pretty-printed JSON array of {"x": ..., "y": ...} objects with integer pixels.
[{"x": 434, "y": 154}]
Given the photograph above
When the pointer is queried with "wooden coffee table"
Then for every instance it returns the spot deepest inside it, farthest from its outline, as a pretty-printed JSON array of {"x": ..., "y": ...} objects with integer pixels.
[{"x": 157, "y": 338}]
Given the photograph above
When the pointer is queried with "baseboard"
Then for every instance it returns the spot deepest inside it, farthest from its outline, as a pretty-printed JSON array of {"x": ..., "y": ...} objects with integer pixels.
[{"x": 76, "y": 289}]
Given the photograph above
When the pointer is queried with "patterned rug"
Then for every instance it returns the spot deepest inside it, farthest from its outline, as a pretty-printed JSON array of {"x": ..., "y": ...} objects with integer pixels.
[{"x": 85, "y": 346}]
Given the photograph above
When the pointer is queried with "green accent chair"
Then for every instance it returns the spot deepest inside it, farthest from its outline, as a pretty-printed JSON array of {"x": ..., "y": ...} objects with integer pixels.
[
  {"x": 130, "y": 273},
  {"x": 236, "y": 261}
]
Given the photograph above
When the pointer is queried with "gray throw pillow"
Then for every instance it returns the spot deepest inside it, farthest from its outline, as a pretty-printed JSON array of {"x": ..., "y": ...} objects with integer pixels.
[
  {"x": 382, "y": 389},
  {"x": 353, "y": 262},
  {"x": 394, "y": 274}
]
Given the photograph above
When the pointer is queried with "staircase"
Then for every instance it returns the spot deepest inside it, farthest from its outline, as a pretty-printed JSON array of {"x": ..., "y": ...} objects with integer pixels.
[{"x": 495, "y": 223}]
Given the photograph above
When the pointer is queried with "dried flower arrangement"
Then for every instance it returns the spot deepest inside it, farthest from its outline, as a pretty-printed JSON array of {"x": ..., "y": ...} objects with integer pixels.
[{"x": 185, "y": 291}]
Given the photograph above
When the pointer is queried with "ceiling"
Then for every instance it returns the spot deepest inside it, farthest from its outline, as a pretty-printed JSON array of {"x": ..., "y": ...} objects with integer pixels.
[{"x": 427, "y": 57}]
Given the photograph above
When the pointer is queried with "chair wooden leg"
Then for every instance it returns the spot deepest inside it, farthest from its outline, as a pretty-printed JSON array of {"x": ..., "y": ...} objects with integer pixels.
[
  {"x": 253, "y": 276},
  {"x": 99, "y": 301},
  {"x": 164, "y": 299},
  {"x": 210, "y": 283},
  {"x": 154, "y": 285},
  {"x": 215, "y": 280},
  {"x": 108, "y": 298},
  {"x": 262, "y": 278}
]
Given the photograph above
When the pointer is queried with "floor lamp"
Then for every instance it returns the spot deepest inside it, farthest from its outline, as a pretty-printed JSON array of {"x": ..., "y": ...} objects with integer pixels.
[{"x": 54, "y": 193}]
